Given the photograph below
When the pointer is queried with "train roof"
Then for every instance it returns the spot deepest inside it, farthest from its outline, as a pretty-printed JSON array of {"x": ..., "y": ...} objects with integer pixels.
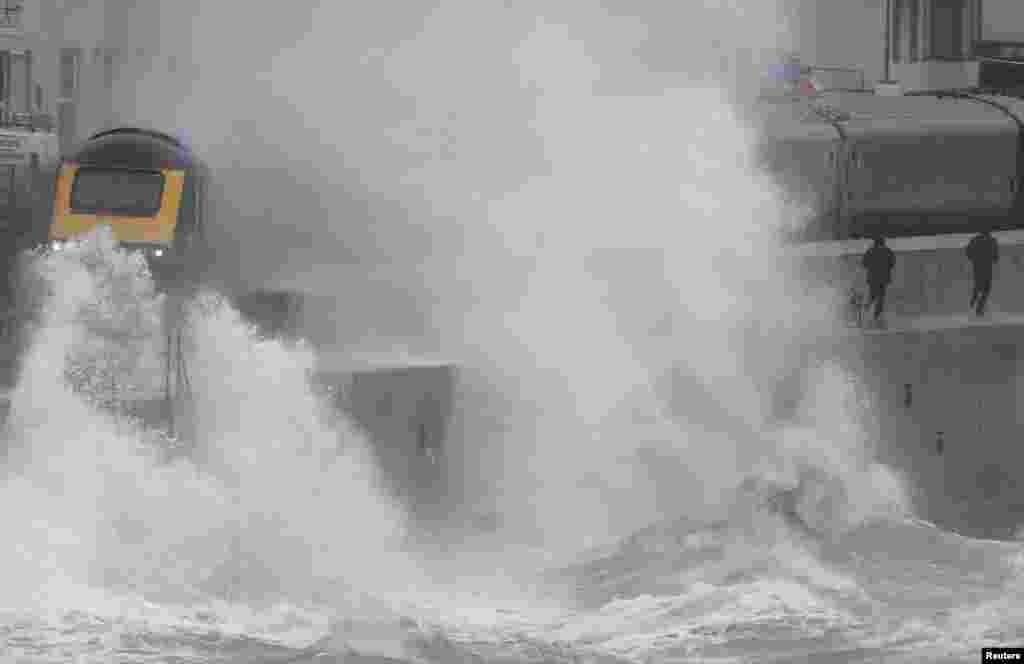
[
  {"x": 907, "y": 115},
  {"x": 132, "y": 147}
]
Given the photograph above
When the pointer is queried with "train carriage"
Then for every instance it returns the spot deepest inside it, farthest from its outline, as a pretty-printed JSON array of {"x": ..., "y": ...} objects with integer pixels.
[
  {"x": 927, "y": 164},
  {"x": 148, "y": 187}
]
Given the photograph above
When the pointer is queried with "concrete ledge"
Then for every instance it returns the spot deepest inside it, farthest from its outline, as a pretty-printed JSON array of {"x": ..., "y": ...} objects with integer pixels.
[
  {"x": 936, "y": 74},
  {"x": 888, "y": 89},
  {"x": 899, "y": 244},
  {"x": 363, "y": 362},
  {"x": 926, "y": 323}
]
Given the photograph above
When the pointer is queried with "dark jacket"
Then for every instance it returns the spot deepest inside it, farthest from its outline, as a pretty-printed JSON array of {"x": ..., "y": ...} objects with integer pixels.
[
  {"x": 983, "y": 251},
  {"x": 879, "y": 261}
]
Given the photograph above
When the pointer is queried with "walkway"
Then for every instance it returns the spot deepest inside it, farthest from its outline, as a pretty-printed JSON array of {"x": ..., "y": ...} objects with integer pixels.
[{"x": 933, "y": 323}]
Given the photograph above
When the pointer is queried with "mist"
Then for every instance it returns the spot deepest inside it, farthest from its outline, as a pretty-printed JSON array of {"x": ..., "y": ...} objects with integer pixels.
[{"x": 562, "y": 199}]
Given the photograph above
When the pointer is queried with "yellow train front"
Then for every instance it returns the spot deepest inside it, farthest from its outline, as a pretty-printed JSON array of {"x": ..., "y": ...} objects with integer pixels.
[{"x": 146, "y": 186}]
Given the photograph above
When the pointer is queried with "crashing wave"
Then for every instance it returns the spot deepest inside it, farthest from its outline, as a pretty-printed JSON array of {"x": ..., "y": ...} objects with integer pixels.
[{"x": 814, "y": 502}]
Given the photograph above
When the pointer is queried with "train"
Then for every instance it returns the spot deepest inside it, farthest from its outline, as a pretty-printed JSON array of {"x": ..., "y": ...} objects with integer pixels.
[
  {"x": 154, "y": 192},
  {"x": 148, "y": 187},
  {"x": 861, "y": 164}
]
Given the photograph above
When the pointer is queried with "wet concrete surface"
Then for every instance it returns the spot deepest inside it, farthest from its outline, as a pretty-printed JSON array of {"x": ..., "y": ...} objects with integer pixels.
[
  {"x": 944, "y": 410},
  {"x": 944, "y": 383}
]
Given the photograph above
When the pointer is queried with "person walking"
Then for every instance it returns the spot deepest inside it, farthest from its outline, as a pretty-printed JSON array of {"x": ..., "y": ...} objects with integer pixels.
[
  {"x": 983, "y": 252},
  {"x": 428, "y": 423},
  {"x": 878, "y": 261}
]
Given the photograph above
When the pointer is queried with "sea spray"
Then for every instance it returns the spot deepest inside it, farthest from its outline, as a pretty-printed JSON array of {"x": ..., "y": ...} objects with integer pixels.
[
  {"x": 574, "y": 217},
  {"x": 120, "y": 516}
]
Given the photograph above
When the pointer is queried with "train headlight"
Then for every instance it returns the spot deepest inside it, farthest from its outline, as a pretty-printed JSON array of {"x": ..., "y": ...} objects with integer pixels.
[
  {"x": 56, "y": 245},
  {"x": 154, "y": 252}
]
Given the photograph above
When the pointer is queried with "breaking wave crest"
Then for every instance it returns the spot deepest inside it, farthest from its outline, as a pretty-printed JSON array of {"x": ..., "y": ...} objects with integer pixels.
[
  {"x": 279, "y": 501},
  {"x": 823, "y": 474}
]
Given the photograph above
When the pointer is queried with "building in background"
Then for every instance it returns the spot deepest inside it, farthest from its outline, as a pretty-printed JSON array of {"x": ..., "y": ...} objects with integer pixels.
[
  {"x": 917, "y": 44},
  {"x": 73, "y": 36},
  {"x": 79, "y": 47},
  {"x": 64, "y": 57},
  {"x": 1000, "y": 49},
  {"x": 933, "y": 43},
  {"x": 20, "y": 46}
]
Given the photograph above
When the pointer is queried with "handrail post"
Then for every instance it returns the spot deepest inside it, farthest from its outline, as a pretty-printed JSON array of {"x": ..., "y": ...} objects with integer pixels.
[{"x": 888, "y": 40}]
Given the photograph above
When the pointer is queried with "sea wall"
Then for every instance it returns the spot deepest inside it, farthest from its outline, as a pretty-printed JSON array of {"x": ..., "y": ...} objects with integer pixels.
[{"x": 945, "y": 386}]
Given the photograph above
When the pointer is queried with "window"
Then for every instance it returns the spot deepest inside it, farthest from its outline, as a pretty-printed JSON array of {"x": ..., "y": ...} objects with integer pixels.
[
  {"x": 933, "y": 29},
  {"x": 69, "y": 58},
  {"x": 118, "y": 193},
  {"x": 948, "y": 18},
  {"x": 906, "y": 30},
  {"x": 10, "y": 14},
  {"x": 108, "y": 68},
  {"x": 20, "y": 73},
  {"x": 5, "y": 77},
  {"x": 7, "y": 188}
]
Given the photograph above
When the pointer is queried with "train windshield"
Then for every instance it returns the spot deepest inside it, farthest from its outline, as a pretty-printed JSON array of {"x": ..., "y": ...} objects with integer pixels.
[{"x": 117, "y": 192}]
